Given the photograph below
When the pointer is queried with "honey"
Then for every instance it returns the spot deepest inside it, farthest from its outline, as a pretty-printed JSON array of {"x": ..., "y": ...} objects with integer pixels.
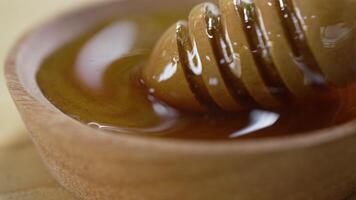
[{"x": 95, "y": 79}]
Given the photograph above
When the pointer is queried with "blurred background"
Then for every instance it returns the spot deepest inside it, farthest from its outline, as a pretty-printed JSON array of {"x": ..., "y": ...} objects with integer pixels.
[{"x": 22, "y": 174}]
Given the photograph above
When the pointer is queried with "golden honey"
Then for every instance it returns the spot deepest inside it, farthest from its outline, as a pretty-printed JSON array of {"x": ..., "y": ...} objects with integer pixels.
[{"x": 96, "y": 79}]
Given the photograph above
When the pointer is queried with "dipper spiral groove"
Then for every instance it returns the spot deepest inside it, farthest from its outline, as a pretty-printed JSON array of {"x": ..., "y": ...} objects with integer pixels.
[{"x": 245, "y": 53}]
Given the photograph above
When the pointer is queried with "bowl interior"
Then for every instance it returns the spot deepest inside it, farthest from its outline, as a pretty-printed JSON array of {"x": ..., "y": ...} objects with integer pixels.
[
  {"x": 44, "y": 40},
  {"x": 63, "y": 29}
]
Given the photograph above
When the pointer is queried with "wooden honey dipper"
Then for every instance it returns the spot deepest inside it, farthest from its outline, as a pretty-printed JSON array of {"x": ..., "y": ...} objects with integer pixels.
[{"x": 261, "y": 52}]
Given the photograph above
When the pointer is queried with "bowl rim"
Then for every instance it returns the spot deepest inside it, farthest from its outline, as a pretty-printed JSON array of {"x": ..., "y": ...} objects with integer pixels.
[{"x": 17, "y": 88}]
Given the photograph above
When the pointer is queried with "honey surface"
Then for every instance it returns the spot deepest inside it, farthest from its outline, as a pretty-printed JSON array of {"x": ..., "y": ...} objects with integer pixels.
[{"x": 95, "y": 79}]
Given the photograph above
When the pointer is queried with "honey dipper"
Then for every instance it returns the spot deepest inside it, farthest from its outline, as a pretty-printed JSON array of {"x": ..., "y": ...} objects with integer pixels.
[{"x": 261, "y": 52}]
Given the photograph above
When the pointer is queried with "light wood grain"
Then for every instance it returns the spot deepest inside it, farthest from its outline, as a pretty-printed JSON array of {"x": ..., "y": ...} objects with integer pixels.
[{"x": 23, "y": 175}]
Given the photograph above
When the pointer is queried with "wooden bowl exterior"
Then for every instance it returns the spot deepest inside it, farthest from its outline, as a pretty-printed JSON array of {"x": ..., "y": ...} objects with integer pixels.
[{"x": 99, "y": 165}]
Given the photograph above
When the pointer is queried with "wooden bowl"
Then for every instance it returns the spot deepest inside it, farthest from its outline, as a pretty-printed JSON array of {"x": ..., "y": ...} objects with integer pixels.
[{"x": 100, "y": 165}]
